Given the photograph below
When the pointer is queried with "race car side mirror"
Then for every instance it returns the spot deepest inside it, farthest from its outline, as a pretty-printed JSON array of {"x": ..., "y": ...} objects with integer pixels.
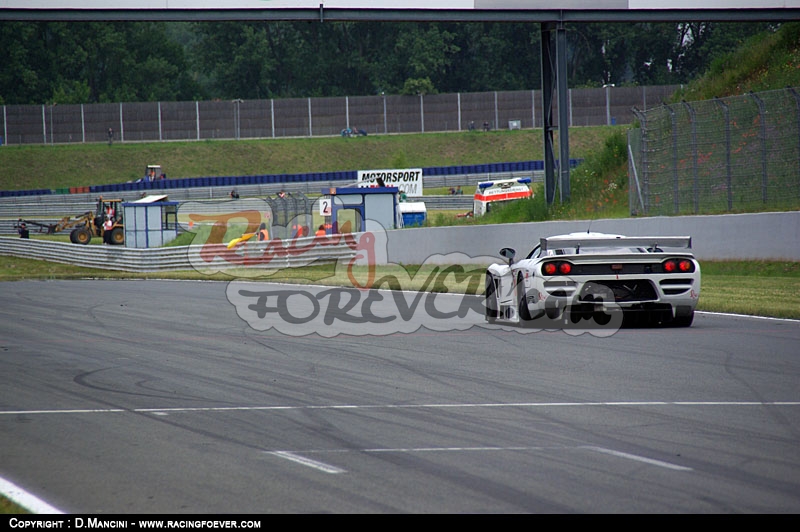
[{"x": 508, "y": 253}]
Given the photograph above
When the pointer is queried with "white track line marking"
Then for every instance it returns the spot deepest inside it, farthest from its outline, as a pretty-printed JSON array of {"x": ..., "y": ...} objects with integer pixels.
[
  {"x": 637, "y": 458},
  {"x": 165, "y": 411},
  {"x": 21, "y": 497},
  {"x": 451, "y": 449},
  {"x": 751, "y": 316},
  {"x": 322, "y": 466},
  {"x": 325, "y": 468}
]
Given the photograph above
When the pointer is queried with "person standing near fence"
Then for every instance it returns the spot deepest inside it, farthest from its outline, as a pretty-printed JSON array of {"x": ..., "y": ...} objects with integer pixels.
[{"x": 263, "y": 232}]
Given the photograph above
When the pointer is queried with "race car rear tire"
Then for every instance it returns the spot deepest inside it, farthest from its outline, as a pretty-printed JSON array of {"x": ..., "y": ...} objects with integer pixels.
[
  {"x": 601, "y": 318},
  {"x": 579, "y": 312},
  {"x": 522, "y": 301},
  {"x": 490, "y": 299},
  {"x": 552, "y": 310},
  {"x": 683, "y": 321}
]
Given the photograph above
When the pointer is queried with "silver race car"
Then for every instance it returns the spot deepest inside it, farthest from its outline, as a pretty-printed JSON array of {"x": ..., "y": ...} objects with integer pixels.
[{"x": 595, "y": 276}]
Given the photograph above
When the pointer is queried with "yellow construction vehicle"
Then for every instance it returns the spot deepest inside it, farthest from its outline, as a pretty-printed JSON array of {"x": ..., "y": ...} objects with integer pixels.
[{"x": 105, "y": 222}]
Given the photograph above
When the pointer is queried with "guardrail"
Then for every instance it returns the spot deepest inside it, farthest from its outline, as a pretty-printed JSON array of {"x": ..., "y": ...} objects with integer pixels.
[
  {"x": 49, "y": 209},
  {"x": 205, "y": 258},
  {"x": 756, "y": 236}
]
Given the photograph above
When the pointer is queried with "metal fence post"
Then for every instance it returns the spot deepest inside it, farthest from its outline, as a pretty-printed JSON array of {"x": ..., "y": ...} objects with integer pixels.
[
  {"x": 421, "y": 113},
  {"x": 496, "y": 113},
  {"x": 696, "y": 181},
  {"x": 762, "y": 117},
  {"x": 675, "y": 183},
  {"x": 310, "y": 127},
  {"x": 385, "y": 124},
  {"x": 729, "y": 177},
  {"x": 52, "y": 137},
  {"x": 272, "y": 115},
  {"x": 633, "y": 170},
  {"x": 160, "y": 132},
  {"x": 797, "y": 105},
  {"x": 458, "y": 106},
  {"x": 237, "y": 117},
  {"x": 197, "y": 118},
  {"x": 643, "y": 181}
]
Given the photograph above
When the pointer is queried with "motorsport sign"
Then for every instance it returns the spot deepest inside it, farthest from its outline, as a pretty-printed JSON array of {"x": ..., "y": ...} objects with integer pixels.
[{"x": 408, "y": 180}]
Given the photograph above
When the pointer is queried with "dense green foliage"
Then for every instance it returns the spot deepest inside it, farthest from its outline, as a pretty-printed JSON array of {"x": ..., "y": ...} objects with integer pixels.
[
  {"x": 89, "y": 62},
  {"x": 763, "y": 62}
]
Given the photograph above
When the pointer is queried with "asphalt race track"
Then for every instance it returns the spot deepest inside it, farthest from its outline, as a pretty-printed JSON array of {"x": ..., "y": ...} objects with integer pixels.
[{"x": 175, "y": 397}]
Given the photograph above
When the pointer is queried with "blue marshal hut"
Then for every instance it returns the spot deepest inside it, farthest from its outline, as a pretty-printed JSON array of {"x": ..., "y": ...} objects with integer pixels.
[
  {"x": 150, "y": 222},
  {"x": 360, "y": 209}
]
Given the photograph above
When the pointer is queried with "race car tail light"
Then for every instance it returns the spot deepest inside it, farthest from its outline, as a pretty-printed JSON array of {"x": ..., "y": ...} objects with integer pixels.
[
  {"x": 678, "y": 266},
  {"x": 557, "y": 268}
]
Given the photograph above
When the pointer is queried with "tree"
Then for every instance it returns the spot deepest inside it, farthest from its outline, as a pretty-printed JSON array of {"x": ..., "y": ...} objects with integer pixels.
[
  {"x": 236, "y": 60},
  {"x": 493, "y": 56},
  {"x": 414, "y": 86},
  {"x": 26, "y": 63},
  {"x": 426, "y": 52},
  {"x": 701, "y": 42},
  {"x": 84, "y": 62},
  {"x": 77, "y": 62}
]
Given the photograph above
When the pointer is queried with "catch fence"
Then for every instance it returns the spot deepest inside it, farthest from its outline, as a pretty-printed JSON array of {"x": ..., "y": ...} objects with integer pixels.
[
  {"x": 734, "y": 154},
  {"x": 311, "y": 117}
]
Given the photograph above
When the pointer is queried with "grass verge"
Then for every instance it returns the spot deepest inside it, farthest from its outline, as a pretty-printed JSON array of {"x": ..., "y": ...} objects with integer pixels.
[
  {"x": 760, "y": 288},
  {"x": 8, "y": 507}
]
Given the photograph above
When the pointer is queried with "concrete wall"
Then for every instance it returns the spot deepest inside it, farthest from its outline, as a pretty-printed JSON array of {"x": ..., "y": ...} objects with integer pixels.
[{"x": 773, "y": 236}]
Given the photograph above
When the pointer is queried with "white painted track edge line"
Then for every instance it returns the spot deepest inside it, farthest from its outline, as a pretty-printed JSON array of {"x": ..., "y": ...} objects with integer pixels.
[
  {"x": 637, "y": 458},
  {"x": 279, "y": 408},
  {"x": 308, "y": 462},
  {"x": 22, "y": 498}
]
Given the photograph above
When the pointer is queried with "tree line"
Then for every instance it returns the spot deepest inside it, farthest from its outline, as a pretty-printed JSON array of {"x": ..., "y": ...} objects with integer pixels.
[{"x": 100, "y": 62}]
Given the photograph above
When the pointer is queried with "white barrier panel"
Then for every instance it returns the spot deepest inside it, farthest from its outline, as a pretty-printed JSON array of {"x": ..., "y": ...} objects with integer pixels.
[{"x": 757, "y": 236}]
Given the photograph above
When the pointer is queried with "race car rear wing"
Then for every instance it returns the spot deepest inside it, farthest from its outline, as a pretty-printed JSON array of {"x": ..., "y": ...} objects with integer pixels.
[{"x": 650, "y": 242}]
